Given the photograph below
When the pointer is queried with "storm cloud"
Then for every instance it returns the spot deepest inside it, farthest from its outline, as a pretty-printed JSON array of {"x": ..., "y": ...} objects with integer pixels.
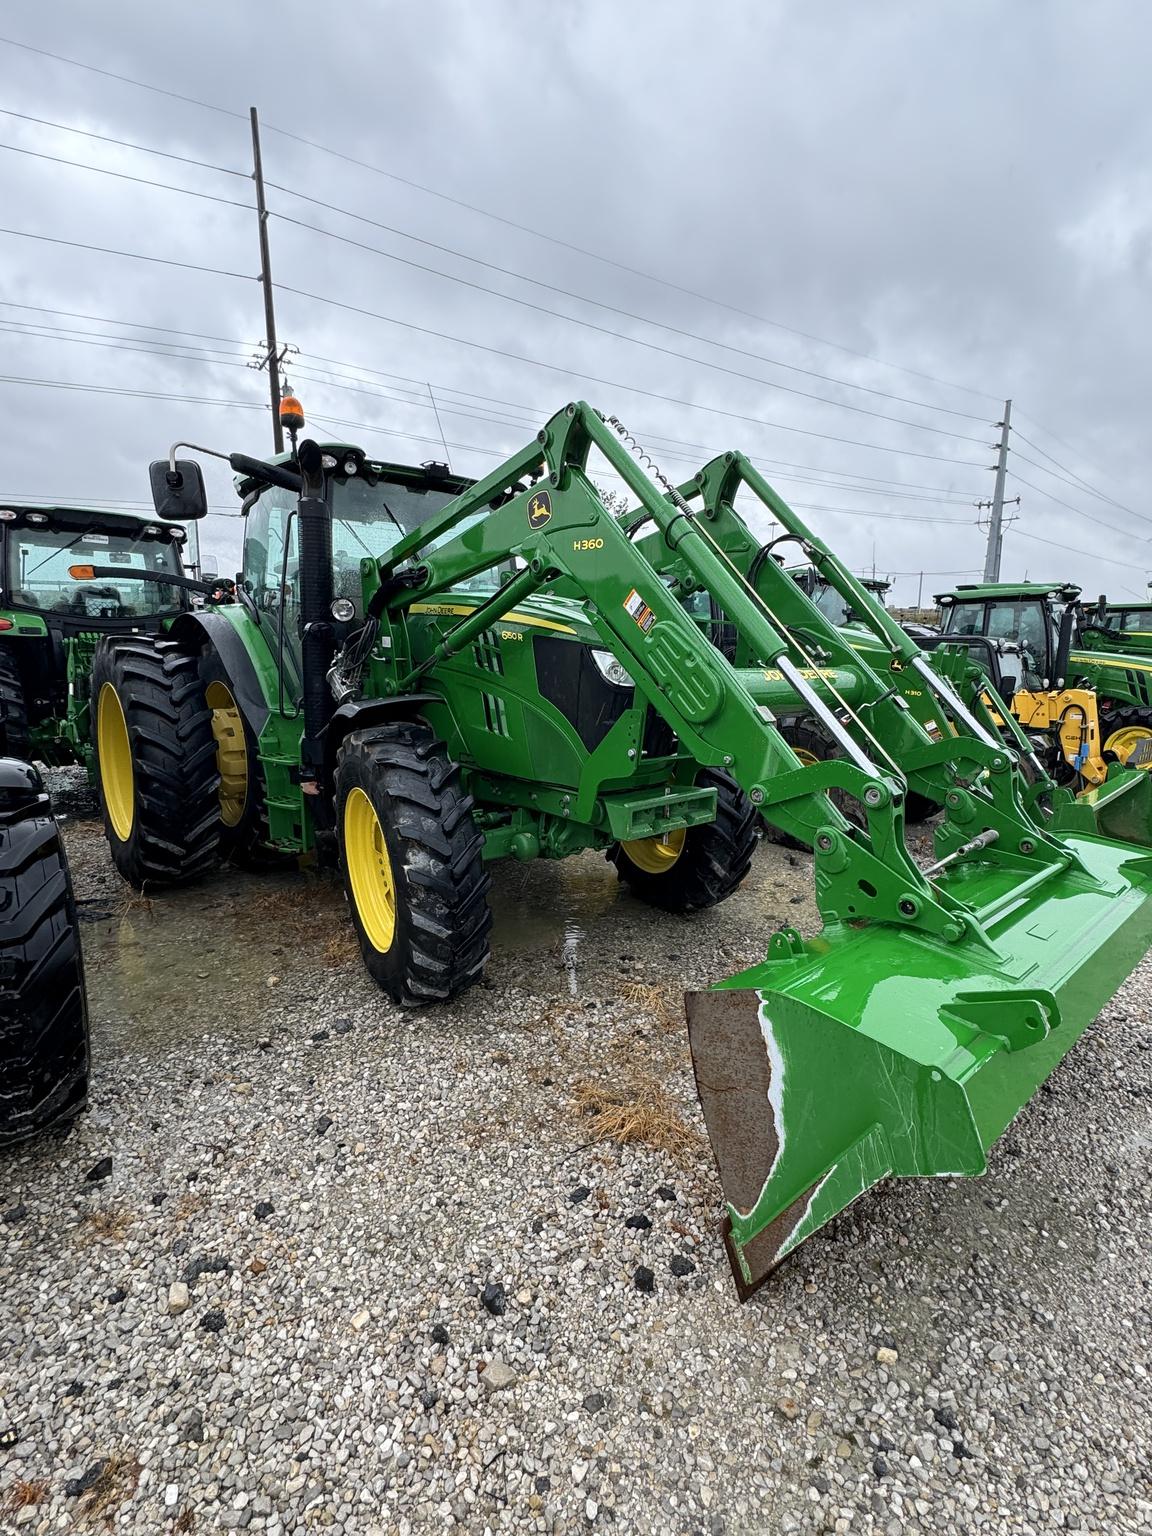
[{"x": 940, "y": 205}]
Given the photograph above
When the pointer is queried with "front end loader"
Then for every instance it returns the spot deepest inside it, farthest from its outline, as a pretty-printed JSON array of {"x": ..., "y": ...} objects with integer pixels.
[{"x": 433, "y": 673}]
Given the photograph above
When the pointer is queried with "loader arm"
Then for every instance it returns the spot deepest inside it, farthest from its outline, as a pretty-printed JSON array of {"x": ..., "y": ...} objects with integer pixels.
[
  {"x": 905, "y": 1036},
  {"x": 560, "y": 530}
]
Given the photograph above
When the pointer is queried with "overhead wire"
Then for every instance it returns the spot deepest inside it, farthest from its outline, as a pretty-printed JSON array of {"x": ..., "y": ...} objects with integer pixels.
[
  {"x": 143, "y": 181},
  {"x": 636, "y": 341},
  {"x": 107, "y": 250},
  {"x": 144, "y": 149},
  {"x": 508, "y": 298},
  {"x": 501, "y": 219},
  {"x": 880, "y": 486},
  {"x": 614, "y": 383}
]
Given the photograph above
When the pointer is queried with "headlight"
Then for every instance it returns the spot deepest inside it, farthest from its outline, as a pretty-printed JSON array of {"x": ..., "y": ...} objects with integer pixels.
[
  {"x": 611, "y": 670},
  {"x": 343, "y": 609}
]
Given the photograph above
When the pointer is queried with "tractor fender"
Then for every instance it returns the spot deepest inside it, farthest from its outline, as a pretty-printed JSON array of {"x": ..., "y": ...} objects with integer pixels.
[
  {"x": 357, "y": 716},
  {"x": 226, "y": 640}
]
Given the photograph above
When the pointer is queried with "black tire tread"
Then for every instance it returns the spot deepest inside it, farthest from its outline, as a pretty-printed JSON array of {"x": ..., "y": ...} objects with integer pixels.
[
  {"x": 445, "y": 885},
  {"x": 715, "y": 859},
  {"x": 176, "y": 834},
  {"x": 43, "y": 1011},
  {"x": 15, "y": 740}
]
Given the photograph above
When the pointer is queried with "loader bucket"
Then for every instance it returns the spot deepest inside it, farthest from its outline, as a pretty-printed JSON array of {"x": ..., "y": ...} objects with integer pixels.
[
  {"x": 1121, "y": 807},
  {"x": 874, "y": 1052}
]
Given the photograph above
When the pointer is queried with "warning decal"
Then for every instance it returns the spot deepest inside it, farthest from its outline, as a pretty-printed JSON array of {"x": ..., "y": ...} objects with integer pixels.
[{"x": 639, "y": 610}]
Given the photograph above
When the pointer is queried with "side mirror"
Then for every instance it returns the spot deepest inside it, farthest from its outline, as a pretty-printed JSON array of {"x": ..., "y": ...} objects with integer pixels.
[
  {"x": 178, "y": 494},
  {"x": 209, "y": 567}
]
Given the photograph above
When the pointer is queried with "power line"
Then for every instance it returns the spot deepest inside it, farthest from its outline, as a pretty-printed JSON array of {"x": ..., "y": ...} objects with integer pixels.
[
  {"x": 1076, "y": 483},
  {"x": 464, "y": 256},
  {"x": 501, "y": 219},
  {"x": 581, "y": 298},
  {"x": 210, "y": 357},
  {"x": 106, "y": 250},
  {"x": 1079, "y": 511},
  {"x": 1063, "y": 443},
  {"x": 144, "y": 149},
  {"x": 1068, "y": 550},
  {"x": 71, "y": 314},
  {"x": 142, "y": 181},
  {"x": 423, "y": 330},
  {"x": 542, "y": 309},
  {"x": 636, "y": 341}
]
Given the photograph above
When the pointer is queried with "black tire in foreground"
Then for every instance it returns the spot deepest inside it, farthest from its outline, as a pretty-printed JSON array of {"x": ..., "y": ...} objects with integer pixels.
[
  {"x": 43, "y": 1011},
  {"x": 14, "y": 739},
  {"x": 156, "y": 761},
  {"x": 697, "y": 866},
  {"x": 412, "y": 861}
]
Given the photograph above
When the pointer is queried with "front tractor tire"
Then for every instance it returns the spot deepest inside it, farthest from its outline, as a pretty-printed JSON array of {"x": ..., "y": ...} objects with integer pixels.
[
  {"x": 156, "y": 758},
  {"x": 412, "y": 861},
  {"x": 694, "y": 867}
]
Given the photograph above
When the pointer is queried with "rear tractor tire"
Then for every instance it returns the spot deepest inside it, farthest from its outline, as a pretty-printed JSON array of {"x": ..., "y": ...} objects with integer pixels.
[
  {"x": 412, "y": 861},
  {"x": 156, "y": 758},
  {"x": 43, "y": 1011},
  {"x": 243, "y": 806},
  {"x": 694, "y": 867},
  {"x": 14, "y": 738},
  {"x": 1125, "y": 731}
]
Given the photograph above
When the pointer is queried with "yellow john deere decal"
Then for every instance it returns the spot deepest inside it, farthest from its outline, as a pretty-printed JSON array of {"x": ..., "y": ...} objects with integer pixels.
[
  {"x": 811, "y": 673},
  {"x": 462, "y": 610},
  {"x": 1095, "y": 659},
  {"x": 539, "y": 509}
]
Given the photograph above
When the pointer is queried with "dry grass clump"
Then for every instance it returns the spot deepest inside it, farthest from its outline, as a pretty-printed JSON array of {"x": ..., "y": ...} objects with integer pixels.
[
  {"x": 654, "y": 1001},
  {"x": 111, "y": 1222},
  {"x": 24, "y": 1492},
  {"x": 116, "y": 1482},
  {"x": 635, "y": 1108},
  {"x": 307, "y": 915}
]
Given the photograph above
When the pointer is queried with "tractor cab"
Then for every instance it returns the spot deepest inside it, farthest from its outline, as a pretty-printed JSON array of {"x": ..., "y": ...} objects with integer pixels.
[
  {"x": 1033, "y": 622},
  {"x": 69, "y": 575},
  {"x": 831, "y": 604}
]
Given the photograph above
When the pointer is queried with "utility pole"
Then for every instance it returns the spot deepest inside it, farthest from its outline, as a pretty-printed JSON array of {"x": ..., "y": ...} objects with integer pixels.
[
  {"x": 272, "y": 359},
  {"x": 995, "y": 531}
]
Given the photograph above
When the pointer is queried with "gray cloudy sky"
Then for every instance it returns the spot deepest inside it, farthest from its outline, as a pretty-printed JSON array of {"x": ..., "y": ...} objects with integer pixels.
[{"x": 961, "y": 189}]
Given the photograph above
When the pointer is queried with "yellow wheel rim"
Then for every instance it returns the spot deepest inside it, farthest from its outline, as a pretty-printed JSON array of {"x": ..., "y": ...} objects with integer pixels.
[
  {"x": 114, "y": 754},
  {"x": 806, "y": 757},
  {"x": 1123, "y": 742},
  {"x": 231, "y": 752},
  {"x": 655, "y": 855},
  {"x": 369, "y": 871}
]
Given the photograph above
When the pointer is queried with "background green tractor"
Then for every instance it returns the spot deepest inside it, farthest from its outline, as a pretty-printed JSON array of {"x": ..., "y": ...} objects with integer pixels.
[
  {"x": 50, "y": 622},
  {"x": 1027, "y": 616},
  {"x": 1115, "y": 627},
  {"x": 423, "y": 674}
]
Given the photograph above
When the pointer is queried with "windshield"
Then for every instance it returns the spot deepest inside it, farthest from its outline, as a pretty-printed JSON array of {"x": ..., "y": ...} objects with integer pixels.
[
  {"x": 37, "y": 574},
  {"x": 367, "y": 521},
  {"x": 1139, "y": 619},
  {"x": 832, "y": 605}
]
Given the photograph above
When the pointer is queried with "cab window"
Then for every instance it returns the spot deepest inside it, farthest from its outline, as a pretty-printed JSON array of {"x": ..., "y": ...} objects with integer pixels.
[
  {"x": 965, "y": 619},
  {"x": 39, "y": 559}
]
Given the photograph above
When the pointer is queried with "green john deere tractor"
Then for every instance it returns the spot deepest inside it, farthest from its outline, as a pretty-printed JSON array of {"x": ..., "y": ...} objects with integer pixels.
[
  {"x": 431, "y": 674},
  {"x": 1029, "y": 616},
  {"x": 50, "y": 623},
  {"x": 1118, "y": 627}
]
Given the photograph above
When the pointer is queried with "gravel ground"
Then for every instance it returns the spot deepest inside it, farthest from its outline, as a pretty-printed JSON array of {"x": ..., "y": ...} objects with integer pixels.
[{"x": 313, "y": 1264}]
